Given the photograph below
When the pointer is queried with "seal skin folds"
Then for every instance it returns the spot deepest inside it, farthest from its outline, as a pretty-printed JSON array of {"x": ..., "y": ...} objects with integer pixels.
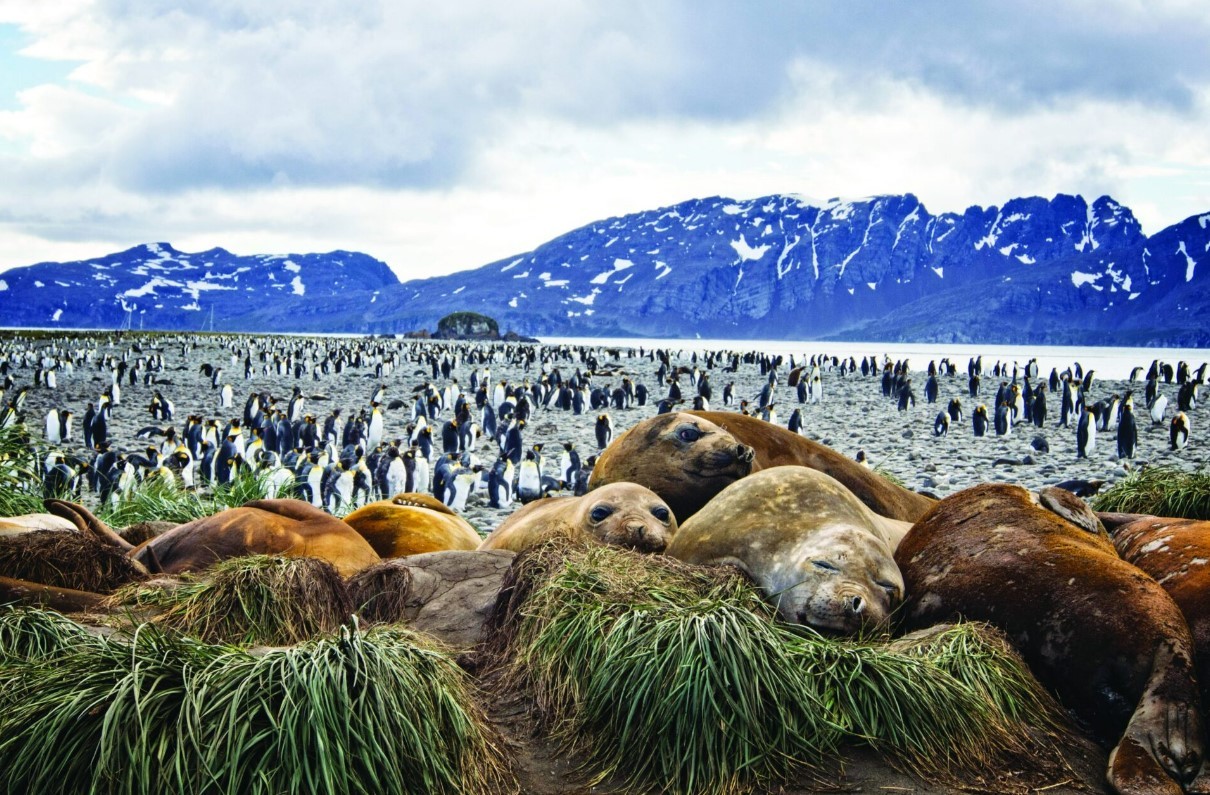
[
  {"x": 412, "y": 524},
  {"x": 619, "y": 514},
  {"x": 1100, "y": 633},
  {"x": 817, "y": 553},
  {"x": 683, "y": 458}
]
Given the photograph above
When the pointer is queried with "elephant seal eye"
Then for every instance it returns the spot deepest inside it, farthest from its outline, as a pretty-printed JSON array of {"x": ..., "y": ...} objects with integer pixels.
[
  {"x": 823, "y": 564},
  {"x": 600, "y": 513},
  {"x": 689, "y": 434},
  {"x": 661, "y": 513}
]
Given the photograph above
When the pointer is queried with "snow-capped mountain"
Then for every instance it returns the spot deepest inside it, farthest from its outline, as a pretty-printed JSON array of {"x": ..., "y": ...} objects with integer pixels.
[
  {"x": 1035, "y": 270},
  {"x": 157, "y": 287}
]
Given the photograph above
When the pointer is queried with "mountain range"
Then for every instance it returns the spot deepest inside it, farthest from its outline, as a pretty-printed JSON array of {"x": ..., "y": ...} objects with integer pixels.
[{"x": 1035, "y": 270}]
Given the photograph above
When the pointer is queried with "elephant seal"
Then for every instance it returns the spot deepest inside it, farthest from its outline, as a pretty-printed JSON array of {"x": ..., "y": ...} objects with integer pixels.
[
  {"x": 1176, "y": 554},
  {"x": 412, "y": 524},
  {"x": 292, "y": 528},
  {"x": 776, "y": 446},
  {"x": 30, "y": 522},
  {"x": 621, "y": 514},
  {"x": 819, "y": 554},
  {"x": 1096, "y": 630},
  {"x": 683, "y": 458}
]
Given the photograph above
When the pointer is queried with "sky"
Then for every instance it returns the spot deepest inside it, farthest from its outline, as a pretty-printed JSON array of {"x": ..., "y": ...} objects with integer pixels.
[{"x": 444, "y": 136}]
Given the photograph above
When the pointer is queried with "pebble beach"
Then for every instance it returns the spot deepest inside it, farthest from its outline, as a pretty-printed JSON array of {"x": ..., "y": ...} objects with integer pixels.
[{"x": 852, "y": 415}]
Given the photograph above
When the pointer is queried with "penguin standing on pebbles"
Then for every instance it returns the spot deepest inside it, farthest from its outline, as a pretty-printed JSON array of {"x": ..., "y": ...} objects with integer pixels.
[
  {"x": 1178, "y": 433},
  {"x": 1128, "y": 433},
  {"x": 604, "y": 431},
  {"x": 941, "y": 425},
  {"x": 979, "y": 420},
  {"x": 1086, "y": 434}
]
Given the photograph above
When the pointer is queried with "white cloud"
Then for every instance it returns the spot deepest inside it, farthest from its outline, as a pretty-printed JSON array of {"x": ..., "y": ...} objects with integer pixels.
[{"x": 393, "y": 128}]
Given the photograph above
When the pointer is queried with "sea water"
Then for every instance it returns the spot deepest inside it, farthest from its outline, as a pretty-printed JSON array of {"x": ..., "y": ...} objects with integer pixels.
[{"x": 1114, "y": 363}]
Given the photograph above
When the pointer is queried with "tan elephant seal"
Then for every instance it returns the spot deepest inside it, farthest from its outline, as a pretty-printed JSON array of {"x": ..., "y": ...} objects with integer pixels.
[
  {"x": 412, "y": 524},
  {"x": 819, "y": 554},
  {"x": 684, "y": 459},
  {"x": 620, "y": 514},
  {"x": 1095, "y": 629}
]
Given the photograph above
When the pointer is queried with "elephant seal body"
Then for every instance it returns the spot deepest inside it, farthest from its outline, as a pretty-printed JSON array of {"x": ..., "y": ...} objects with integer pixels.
[
  {"x": 1176, "y": 554},
  {"x": 29, "y": 522},
  {"x": 292, "y": 528},
  {"x": 412, "y": 524},
  {"x": 1100, "y": 633},
  {"x": 686, "y": 459},
  {"x": 819, "y": 554},
  {"x": 776, "y": 446},
  {"x": 621, "y": 514}
]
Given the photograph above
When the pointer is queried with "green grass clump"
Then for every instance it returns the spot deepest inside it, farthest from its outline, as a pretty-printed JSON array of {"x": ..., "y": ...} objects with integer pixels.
[
  {"x": 31, "y": 633},
  {"x": 20, "y": 472},
  {"x": 1159, "y": 491},
  {"x": 155, "y": 712},
  {"x": 671, "y": 678},
  {"x": 252, "y": 600},
  {"x": 158, "y": 501}
]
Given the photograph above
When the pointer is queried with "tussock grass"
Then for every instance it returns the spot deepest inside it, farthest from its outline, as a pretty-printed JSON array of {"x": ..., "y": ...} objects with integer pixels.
[
  {"x": 358, "y": 712},
  {"x": 253, "y": 600},
  {"x": 20, "y": 472},
  {"x": 381, "y": 592},
  {"x": 32, "y": 633},
  {"x": 671, "y": 678},
  {"x": 158, "y": 501},
  {"x": 66, "y": 559},
  {"x": 1160, "y": 491}
]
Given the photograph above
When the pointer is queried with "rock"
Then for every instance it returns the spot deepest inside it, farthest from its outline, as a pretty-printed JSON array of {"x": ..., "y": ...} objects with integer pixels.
[
  {"x": 467, "y": 326},
  {"x": 449, "y": 595}
]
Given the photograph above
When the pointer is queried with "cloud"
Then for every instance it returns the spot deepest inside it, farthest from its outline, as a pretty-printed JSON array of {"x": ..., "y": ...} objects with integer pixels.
[{"x": 394, "y": 127}]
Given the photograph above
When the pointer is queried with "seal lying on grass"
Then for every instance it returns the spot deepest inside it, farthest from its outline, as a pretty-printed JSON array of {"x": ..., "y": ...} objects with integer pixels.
[
  {"x": 1099, "y": 632},
  {"x": 818, "y": 553}
]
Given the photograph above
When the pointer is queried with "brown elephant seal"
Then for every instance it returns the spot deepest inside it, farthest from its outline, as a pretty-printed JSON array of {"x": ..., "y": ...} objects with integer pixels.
[
  {"x": 412, "y": 524},
  {"x": 292, "y": 528},
  {"x": 620, "y": 514},
  {"x": 776, "y": 446},
  {"x": 1176, "y": 554},
  {"x": 684, "y": 459},
  {"x": 819, "y": 554},
  {"x": 1100, "y": 633}
]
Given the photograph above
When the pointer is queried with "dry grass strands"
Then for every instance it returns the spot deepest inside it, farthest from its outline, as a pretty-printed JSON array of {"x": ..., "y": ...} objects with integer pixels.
[
  {"x": 158, "y": 712},
  {"x": 380, "y": 592},
  {"x": 672, "y": 678},
  {"x": 66, "y": 559},
  {"x": 254, "y": 600}
]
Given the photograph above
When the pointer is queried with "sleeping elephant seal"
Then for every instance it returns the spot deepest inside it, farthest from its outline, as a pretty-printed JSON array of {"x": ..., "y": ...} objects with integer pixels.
[
  {"x": 820, "y": 555},
  {"x": 1099, "y": 632},
  {"x": 1176, "y": 553},
  {"x": 412, "y": 524},
  {"x": 620, "y": 514},
  {"x": 776, "y": 446},
  {"x": 292, "y": 528},
  {"x": 684, "y": 459}
]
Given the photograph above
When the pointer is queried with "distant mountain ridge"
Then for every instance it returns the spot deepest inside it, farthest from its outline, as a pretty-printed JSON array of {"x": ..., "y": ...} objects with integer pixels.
[{"x": 1060, "y": 271}]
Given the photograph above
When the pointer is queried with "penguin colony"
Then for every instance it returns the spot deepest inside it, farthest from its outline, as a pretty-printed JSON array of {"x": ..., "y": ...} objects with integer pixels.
[{"x": 487, "y": 426}]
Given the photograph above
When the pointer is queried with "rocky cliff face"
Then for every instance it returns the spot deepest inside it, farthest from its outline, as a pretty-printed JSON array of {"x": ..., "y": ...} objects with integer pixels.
[{"x": 883, "y": 268}]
